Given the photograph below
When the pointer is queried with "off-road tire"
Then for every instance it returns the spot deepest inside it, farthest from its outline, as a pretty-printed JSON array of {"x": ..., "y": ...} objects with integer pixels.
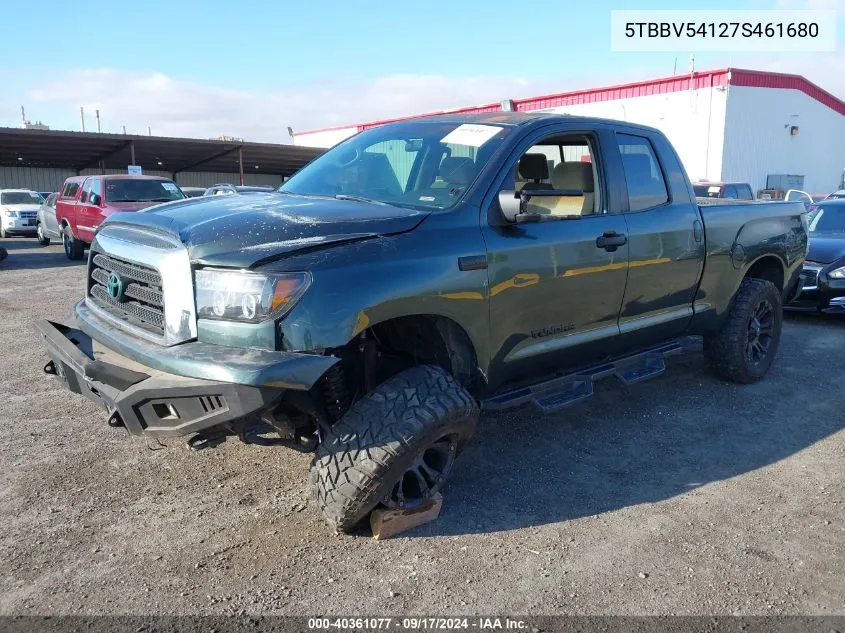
[
  {"x": 74, "y": 248},
  {"x": 368, "y": 451},
  {"x": 726, "y": 351},
  {"x": 42, "y": 238}
]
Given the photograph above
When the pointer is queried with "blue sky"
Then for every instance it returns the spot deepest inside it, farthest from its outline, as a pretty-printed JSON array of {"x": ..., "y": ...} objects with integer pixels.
[{"x": 253, "y": 68}]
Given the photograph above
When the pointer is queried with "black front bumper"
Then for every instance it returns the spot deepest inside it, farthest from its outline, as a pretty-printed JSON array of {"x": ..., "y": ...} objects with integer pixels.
[{"x": 149, "y": 401}]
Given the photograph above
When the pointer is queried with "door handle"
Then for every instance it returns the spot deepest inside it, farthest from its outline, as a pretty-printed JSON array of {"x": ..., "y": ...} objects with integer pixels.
[{"x": 611, "y": 240}]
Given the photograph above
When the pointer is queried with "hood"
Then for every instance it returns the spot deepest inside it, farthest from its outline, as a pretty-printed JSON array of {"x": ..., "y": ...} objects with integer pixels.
[
  {"x": 242, "y": 231},
  {"x": 826, "y": 247},
  {"x": 21, "y": 207}
]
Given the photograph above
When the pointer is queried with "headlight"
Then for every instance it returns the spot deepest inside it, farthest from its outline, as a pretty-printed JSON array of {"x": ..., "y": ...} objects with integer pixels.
[
  {"x": 247, "y": 296},
  {"x": 837, "y": 273},
  {"x": 12, "y": 214}
]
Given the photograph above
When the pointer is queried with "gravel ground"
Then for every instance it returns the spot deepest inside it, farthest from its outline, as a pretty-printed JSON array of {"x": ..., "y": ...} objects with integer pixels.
[{"x": 683, "y": 495}]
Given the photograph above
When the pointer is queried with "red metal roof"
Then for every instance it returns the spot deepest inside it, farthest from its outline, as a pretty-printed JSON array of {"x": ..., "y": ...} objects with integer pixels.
[
  {"x": 663, "y": 85},
  {"x": 760, "y": 79}
]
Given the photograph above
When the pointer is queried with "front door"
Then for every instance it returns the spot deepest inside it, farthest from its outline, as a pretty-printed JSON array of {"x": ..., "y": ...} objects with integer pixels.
[
  {"x": 556, "y": 285},
  {"x": 89, "y": 214},
  {"x": 51, "y": 226}
]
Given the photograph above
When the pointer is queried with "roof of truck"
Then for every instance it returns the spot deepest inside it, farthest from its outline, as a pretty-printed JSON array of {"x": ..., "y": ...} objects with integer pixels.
[{"x": 515, "y": 119}]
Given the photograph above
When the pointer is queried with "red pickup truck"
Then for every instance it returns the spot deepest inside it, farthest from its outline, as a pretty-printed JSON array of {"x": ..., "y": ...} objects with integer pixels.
[{"x": 85, "y": 201}]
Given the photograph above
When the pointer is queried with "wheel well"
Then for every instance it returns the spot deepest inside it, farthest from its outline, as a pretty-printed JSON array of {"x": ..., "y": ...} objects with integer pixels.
[
  {"x": 389, "y": 347},
  {"x": 431, "y": 340},
  {"x": 768, "y": 268}
]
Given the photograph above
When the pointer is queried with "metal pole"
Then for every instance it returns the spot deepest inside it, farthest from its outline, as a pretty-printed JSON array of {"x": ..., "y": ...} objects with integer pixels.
[
  {"x": 132, "y": 151},
  {"x": 241, "y": 164},
  {"x": 97, "y": 112},
  {"x": 149, "y": 131},
  {"x": 82, "y": 116},
  {"x": 124, "y": 129}
]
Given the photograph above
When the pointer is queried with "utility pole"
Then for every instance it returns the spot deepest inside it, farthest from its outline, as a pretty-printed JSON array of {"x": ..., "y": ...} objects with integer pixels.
[
  {"x": 149, "y": 131},
  {"x": 124, "y": 129},
  {"x": 98, "y": 121},
  {"x": 23, "y": 116},
  {"x": 82, "y": 116}
]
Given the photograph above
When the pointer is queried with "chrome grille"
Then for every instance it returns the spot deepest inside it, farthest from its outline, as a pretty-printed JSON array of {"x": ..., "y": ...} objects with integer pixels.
[
  {"x": 142, "y": 300},
  {"x": 29, "y": 215}
]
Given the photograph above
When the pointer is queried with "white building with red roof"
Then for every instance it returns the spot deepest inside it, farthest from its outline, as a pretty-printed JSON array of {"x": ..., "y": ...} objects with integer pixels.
[{"x": 771, "y": 130}]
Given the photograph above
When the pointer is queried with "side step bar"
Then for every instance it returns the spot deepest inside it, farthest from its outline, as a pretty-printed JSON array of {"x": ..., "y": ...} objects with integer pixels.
[{"x": 555, "y": 393}]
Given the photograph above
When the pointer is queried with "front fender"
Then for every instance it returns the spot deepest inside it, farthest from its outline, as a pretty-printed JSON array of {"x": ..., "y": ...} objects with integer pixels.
[{"x": 357, "y": 286}]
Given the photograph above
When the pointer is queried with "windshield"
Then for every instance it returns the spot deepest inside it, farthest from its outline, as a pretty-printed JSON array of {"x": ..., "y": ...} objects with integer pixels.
[
  {"x": 20, "y": 197},
  {"x": 135, "y": 190},
  {"x": 829, "y": 218},
  {"x": 428, "y": 164}
]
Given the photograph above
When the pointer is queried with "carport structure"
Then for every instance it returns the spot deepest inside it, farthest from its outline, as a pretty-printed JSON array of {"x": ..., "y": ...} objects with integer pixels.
[{"x": 80, "y": 151}]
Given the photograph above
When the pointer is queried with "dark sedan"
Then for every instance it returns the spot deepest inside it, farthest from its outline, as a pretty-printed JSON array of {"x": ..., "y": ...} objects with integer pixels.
[{"x": 823, "y": 275}]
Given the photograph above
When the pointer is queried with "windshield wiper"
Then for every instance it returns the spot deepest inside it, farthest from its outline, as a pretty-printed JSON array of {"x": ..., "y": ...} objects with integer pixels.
[{"x": 346, "y": 196}]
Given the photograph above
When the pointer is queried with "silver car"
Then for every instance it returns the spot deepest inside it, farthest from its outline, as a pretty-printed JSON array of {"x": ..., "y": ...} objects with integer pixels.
[{"x": 47, "y": 227}]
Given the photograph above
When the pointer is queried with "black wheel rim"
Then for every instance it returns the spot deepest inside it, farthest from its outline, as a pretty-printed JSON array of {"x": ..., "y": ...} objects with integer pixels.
[
  {"x": 761, "y": 328},
  {"x": 426, "y": 475}
]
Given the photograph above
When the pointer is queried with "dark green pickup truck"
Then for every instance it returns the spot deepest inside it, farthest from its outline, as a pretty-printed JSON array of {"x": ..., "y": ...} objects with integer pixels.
[{"x": 411, "y": 276}]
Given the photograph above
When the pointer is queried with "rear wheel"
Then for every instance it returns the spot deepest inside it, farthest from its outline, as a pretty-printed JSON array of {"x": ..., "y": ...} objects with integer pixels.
[
  {"x": 395, "y": 446},
  {"x": 42, "y": 238},
  {"x": 743, "y": 350},
  {"x": 74, "y": 248}
]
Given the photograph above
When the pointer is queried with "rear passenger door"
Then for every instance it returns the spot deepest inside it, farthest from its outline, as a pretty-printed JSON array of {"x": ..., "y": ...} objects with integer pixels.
[{"x": 666, "y": 241}]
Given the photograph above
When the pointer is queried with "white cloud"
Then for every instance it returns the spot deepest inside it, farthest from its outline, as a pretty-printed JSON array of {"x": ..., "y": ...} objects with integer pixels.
[{"x": 173, "y": 107}]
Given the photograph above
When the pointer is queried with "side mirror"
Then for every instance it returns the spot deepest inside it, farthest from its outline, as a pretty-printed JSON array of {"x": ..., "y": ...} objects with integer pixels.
[
  {"x": 94, "y": 199},
  {"x": 511, "y": 204}
]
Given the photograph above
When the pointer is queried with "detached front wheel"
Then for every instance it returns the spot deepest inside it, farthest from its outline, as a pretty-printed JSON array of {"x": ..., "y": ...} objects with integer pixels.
[
  {"x": 743, "y": 350},
  {"x": 395, "y": 446}
]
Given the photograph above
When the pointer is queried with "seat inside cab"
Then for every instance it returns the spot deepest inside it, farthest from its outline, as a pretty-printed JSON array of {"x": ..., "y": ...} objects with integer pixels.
[{"x": 559, "y": 164}]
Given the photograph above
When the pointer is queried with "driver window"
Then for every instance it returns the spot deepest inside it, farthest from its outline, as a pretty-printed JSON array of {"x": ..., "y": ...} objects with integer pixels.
[{"x": 563, "y": 164}]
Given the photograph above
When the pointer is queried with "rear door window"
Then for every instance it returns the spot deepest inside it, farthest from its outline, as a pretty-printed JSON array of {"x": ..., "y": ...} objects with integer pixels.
[
  {"x": 745, "y": 192},
  {"x": 730, "y": 192},
  {"x": 646, "y": 184}
]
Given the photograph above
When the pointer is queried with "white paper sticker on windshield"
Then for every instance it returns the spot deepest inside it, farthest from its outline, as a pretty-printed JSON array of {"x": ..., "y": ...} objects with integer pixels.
[
  {"x": 713, "y": 189},
  {"x": 471, "y": 134},
  {"x": 169, "y": 186},
  {"x": 32, "y": 194}
]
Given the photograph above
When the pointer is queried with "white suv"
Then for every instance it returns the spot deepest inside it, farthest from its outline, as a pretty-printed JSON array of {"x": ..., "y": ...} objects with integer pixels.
[{"x": 19, "y": 211}]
